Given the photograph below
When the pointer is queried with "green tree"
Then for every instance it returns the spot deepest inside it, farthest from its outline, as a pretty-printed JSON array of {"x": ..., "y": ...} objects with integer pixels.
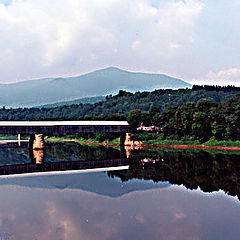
[{"x": 135, "y": 118}]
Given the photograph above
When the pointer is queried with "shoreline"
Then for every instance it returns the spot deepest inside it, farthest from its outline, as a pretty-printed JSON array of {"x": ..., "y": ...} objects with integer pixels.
[
  {"x": 182, "y": 146},
  {"x": 175, "y": 146}
]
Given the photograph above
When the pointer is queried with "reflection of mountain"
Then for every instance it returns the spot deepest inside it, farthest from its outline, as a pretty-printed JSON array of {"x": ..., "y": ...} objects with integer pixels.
[
  {"x": 97, "y": 183},
  {"x": 71, "y": 153},
  {"x": 193, "y": 169}
]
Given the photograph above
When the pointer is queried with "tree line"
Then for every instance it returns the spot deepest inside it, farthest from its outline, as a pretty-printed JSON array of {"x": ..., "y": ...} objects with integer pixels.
[
  {"x": 200, "y": 113},
  {"x": 201, "y": 121},
  {"x": 118, "y": 107}
]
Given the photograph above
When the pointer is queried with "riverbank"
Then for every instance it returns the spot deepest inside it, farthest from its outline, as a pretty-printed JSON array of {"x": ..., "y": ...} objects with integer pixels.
[
  {"x": 115, "y": 142},
  {"x": 232, "y": 148},
  {"x": 213, "y": 145}
]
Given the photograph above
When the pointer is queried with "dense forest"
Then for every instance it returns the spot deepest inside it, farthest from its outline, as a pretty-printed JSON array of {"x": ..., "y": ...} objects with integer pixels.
[
  {"x": 85, "y": 100},
  {"x": 200, "y": 113},
  {"x": 201, "y": 121},
  {"x": 119, "y": 106}
]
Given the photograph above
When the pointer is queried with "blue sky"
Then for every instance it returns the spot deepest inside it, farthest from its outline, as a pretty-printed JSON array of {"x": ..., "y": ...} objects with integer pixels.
[
  {"x": 6, "y": 2},
  {"x": 196, "y": 40}
]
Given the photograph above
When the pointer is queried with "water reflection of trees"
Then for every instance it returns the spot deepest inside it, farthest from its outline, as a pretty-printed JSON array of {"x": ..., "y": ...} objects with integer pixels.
[
  {"x": 209, "y": 171},
  {"x": 56, "y": 152},
  {"x": 75, "y": 152}
]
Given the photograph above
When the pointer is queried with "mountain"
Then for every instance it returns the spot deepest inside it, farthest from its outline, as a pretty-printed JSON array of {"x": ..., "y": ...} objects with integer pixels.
[
  {"x": 86, "y": 100},
  {"x": 97, "y": 83}
]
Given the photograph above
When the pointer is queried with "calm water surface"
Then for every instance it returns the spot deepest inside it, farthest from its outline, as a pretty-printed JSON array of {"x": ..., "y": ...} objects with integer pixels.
[{"x": 163, "y": 194}]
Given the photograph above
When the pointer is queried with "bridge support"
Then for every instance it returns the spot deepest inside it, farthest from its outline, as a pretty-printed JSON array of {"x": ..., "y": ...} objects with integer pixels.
[
  {"x": 38, "y": 156},
  {"x": 36, "y": 142},
  {"x": 122, "y": 139},
  {"x": 125, "y": 139},
  {"x": 128, "y": 141},
  {"x": 19, "y": 139},
  {"x": 36, "y": 148},
  {"x": 122, "y": 145}
]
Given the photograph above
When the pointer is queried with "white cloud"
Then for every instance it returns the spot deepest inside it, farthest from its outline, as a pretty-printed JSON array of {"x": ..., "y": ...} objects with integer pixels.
[
  {"x": 136, "y": 44},
  {"x": 41, "y": 38},
  {"x": 224, "y": 77},
  {"x": 175, "y": 45}
]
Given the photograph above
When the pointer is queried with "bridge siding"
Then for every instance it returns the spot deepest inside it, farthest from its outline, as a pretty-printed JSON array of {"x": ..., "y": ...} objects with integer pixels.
[{"x": 51, "y": 130}]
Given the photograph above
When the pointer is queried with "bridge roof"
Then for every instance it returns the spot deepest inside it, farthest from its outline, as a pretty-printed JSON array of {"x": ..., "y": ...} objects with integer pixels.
[{"x": 61, "y": 123}]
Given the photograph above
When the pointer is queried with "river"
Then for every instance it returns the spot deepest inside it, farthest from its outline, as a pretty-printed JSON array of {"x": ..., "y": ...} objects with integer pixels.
[{"x": 73, "y": 191}]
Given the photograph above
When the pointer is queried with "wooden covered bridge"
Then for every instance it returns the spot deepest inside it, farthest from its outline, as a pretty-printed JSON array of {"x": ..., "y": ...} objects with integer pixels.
[{"x": 36, "y": 129}]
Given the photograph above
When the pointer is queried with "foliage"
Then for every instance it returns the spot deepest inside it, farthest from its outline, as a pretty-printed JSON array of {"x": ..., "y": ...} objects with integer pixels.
[
  {"x": 222, "y": 143},
  {"x": 196, "y": 114},
  {"x": 121, "y": 104},
  {"x": 200, "y": 121}
]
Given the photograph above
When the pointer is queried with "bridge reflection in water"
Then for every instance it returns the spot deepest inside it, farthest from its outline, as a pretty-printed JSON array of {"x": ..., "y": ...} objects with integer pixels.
[
  {"x": 64, "y": 166},
  {"x": 85, "y": 157},
  {"x": 209, "y": 171}
]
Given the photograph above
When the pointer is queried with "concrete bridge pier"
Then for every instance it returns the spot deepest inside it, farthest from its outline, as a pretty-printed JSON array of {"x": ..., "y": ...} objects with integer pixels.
[
  {"x": 36, "y": 148},
  {"x": 36, "y": 142},
  {"x": 19, "y": 139},
  {"x": 122, "y": 139},
  {"x": 122, "y": 145},
  {"x": 38, "y": 156},
  {"x": 125, "y": 139}
]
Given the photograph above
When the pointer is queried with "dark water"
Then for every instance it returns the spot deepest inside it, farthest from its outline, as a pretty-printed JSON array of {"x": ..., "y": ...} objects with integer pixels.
[{"x": 158, "y": 194}]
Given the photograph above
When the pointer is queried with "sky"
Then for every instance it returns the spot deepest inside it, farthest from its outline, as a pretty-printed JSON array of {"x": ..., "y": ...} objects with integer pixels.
[{"x": 195, "y": 40}]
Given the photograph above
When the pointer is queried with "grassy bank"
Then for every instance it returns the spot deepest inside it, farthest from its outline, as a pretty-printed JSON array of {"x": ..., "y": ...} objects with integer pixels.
[
  {"x": 12, "y": 137},
  {"x": 81, "y": 140},
  {"x": 8, "y": 137},
  {"x": 153, "y": 138},
  {"x": 171, "y": 142},
  {"x": 194, "y": 142},
  {"x": 146, "y": 138}
]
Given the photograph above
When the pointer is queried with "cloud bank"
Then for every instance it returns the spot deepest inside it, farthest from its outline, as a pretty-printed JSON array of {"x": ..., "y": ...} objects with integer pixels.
[
  {"x": 187, "y": 39},
  {"x": 229, "y": 76},
  {"x": 41, "y": 38}
]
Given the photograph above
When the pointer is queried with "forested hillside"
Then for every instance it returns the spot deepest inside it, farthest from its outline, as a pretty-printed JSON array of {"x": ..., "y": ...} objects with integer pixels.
[
  {"x": 201, "y": 121},
  {"x": 86, "y": 100},
  {"x": 200, "y": 113},
  {"x": 118, "y": 107}
]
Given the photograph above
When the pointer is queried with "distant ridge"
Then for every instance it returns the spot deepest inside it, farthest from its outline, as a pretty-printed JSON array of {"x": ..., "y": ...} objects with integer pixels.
[
  {"x": 98, "y": 83},
  {"x": 90, "y": 100}
]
